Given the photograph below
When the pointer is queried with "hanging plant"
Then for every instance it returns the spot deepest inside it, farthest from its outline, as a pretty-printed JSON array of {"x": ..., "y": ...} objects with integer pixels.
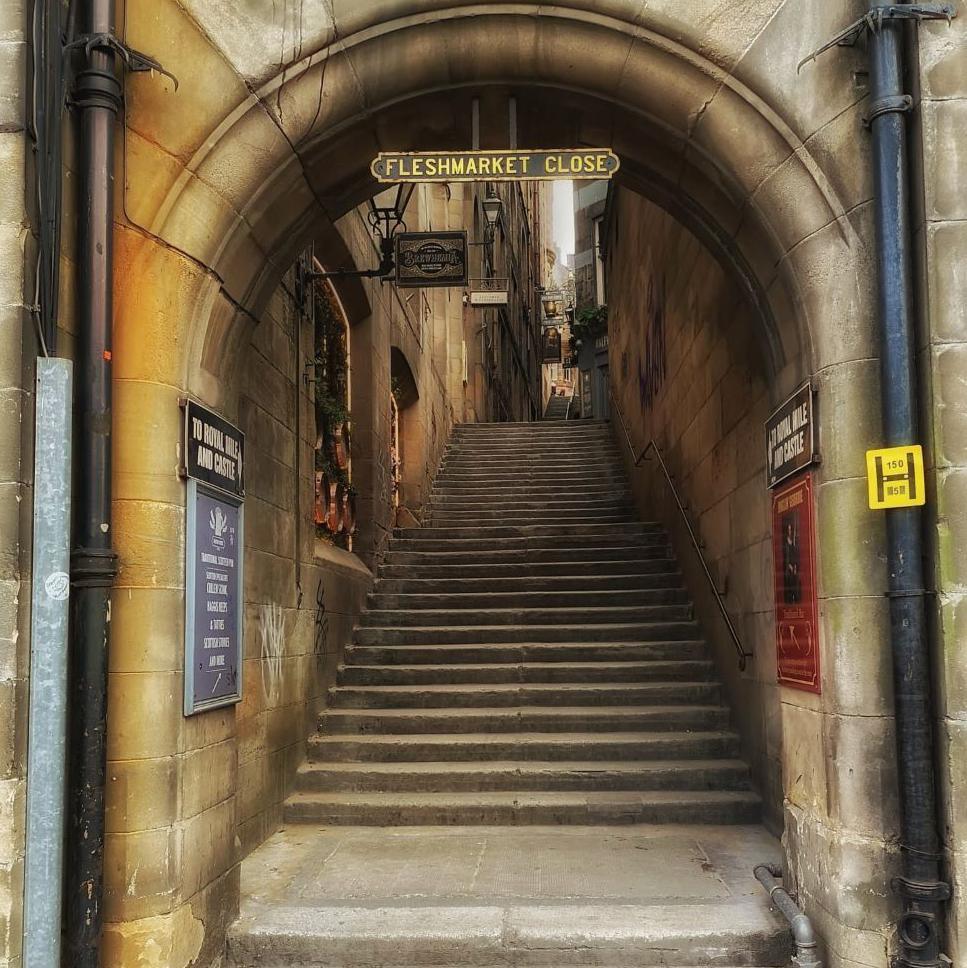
[
  {"x": 590, "y": 323},
  {"x": 332, "y": 417}
]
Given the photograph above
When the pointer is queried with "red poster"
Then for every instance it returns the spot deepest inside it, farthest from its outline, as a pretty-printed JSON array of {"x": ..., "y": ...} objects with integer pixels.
[{"x": 797, "y": 609}]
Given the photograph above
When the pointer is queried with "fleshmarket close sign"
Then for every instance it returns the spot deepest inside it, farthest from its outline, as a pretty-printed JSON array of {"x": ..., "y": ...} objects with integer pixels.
[
  {"x": 791, "y": 436},
  {"x": 572, "y": 164}
]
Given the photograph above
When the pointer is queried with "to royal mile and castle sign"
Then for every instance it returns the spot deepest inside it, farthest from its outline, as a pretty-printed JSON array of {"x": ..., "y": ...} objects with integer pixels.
[{"x": 572, "y": 164}]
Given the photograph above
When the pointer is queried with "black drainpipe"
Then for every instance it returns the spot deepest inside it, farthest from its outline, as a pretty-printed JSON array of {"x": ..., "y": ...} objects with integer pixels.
[
  {"x": 97, "y": 100},
  {"x": 920, "y": 928}
]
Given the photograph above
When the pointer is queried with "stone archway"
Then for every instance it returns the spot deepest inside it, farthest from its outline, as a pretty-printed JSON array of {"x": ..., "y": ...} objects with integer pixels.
[{"x": 226, "y": 180}]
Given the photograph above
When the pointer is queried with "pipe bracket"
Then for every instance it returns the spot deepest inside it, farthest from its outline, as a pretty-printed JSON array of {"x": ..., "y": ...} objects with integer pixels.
[
  {"x": 921, "y": 890},
  {"x": 93, "y": 567},
  {"x": 873, "y": 21},
  {"x": 893, "y": 104},
  {"x": 134, "y": 60}
]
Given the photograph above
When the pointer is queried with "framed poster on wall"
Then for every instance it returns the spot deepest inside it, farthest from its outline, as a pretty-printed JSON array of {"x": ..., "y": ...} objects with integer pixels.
[
  {"x": 214, "y": 553},
  {"x": 213, "y": 599},
  {"x": 797, "y": 604}
]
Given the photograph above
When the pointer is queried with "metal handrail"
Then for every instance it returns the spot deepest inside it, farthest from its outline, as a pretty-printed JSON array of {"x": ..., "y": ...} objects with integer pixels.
[{"x": 653, "y": 445}]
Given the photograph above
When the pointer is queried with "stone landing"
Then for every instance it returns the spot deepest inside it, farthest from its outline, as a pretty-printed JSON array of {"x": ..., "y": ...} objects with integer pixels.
[{"x": 335, "y": 897}]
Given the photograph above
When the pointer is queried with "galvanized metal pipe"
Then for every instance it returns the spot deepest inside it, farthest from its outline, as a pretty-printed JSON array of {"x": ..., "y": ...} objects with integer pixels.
[
  {"x": 921, "y": 887},
  {"x": 47, "y": 729},
  {"x": 97, "y": 98},
  {"x": 803, "y": 933}
]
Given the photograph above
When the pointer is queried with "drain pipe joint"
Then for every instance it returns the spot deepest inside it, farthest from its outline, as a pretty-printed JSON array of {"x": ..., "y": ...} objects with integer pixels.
[{"x": 803, "y": 932}]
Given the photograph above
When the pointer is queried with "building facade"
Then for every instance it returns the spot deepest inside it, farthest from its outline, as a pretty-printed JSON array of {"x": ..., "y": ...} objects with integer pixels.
[{"x": 741, "y": 262}]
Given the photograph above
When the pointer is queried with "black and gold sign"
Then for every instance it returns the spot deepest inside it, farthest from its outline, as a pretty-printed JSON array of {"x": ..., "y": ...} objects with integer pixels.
[
  {"x": 552, "y": 346},
  {"x": 572, "y": 164},
  {"x": 427, "y": 259}
]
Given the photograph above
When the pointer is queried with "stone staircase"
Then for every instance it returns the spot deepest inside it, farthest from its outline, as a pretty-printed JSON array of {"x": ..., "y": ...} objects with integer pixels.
[
  {"x": 557, "y": 407},
  {"x": 527, "y": 657}
]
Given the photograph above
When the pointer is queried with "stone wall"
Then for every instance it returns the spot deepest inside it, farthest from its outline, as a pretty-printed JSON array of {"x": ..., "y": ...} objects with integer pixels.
[
  {"x": 17, "y": 350},
  {"x": 940, "y": 126},
  {"x": 302, "y": 594},
  {"x": 686, "y": 372}
]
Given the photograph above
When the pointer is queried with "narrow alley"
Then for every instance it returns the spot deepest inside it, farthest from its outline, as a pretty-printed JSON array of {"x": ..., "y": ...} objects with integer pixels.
[{"x": 527, "y": 659}]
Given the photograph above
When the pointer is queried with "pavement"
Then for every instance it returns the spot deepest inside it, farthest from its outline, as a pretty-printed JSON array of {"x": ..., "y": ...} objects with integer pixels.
[{"x": 501, "y": 896}]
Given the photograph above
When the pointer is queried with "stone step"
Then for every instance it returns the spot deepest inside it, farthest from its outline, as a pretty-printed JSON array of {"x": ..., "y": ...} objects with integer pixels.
[
  {"x": 436, "y": 635},
  {"x": 546, "y": 596},
  {"x": 547, "y": 453},
  {"x": 549, "y": 542},
  {"x": 563, "y": 482},
  {"x": 526, "y": 776},
  {"x": 471, "y": 747},
  {"x": 495, "y": 509},
  {"x": 527, "y": 694},
  {"x": 423, "y": 568},
  {"x": 477, "y": 653},
  {"x": 528, "y": 466},
  {"x": 598, "y": 934},
  {"x": 578, "y": 560},
  {"x": 554, "y": 585},
  {"x": 508, "y": 808},
  {"x": 488, "y": 519},
  {"x": 493, "y": 495},
  {"x": 535, "y": 719},
  {"x": 499, "y": 534},
  {"x": 355, "y": 674},
  {"x": 522, "y": 617}
]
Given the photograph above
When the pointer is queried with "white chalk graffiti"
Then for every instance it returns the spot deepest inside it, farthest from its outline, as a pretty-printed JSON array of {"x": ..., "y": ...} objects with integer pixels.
[{"x": 272, "y": 631}]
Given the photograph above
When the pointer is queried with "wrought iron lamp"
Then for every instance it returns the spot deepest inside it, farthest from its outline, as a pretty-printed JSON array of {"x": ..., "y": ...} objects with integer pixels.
[{"x": 386, "y": 220}]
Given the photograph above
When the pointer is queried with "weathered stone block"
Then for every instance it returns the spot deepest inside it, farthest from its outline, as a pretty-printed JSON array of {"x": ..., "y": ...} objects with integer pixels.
[
  {"x": 146, "y": 714},
  {"x": 209, "y": 847},
  {"x": 856, "y": 663},
  {"x": 208, "y": 777},
  {"x": 142, "y": 873},
  {"x": 943, "y": 123},
  {"x": 142, "y": 794}
]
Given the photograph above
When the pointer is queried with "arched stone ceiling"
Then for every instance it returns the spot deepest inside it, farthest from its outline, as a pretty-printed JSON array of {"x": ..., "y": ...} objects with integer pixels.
[{"x": 269, "y": 163}]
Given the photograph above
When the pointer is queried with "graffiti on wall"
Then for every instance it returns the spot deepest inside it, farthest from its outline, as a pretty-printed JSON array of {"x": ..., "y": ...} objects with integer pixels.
[
  {"x": 322, "y": 621},
  {"x": 272, "y": 634},
  {"x": 652, "y": 352}
]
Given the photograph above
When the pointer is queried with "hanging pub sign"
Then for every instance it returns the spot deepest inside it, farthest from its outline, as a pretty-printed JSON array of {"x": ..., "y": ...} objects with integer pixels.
[
  {"x": 572, "y": 164},
  {"x": 214, "y": 549},
  {"x": 431, "y": 259},
  {"x": 791, "y": 436},
  {"x": 552, "y": 346},
  {"x": 794, "y": 564},
  {"x": 489, "y": 292}
]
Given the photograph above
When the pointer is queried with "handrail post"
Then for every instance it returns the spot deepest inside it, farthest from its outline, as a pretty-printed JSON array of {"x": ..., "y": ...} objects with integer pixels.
[{"x": 744, "y": 656}]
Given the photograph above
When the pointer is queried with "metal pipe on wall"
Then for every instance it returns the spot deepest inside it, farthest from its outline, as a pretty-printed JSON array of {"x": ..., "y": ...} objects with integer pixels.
[
  {"x": 97, "y": 99},
  {"x": 47, "y": 729},
  {"x": 921, "y": 888}
]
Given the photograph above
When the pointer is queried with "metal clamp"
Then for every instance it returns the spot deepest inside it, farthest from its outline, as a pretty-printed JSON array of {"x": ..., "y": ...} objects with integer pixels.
[
  {"x": 921, "y": 890},
  {"x": 134, "y": 60},
  {"x": 892, "y": 104},
  {"x": 873, "y": 21}
]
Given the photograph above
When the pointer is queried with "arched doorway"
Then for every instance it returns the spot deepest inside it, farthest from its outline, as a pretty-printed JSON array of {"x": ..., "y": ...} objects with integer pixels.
[{"x": 708, "y": 134}]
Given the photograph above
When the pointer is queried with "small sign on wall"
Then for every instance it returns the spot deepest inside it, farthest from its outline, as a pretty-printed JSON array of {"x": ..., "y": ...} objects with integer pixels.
[
  {"x": 896, "y": 477},
  {"x": 214, "y": 551},
  {"x": 791, "y": 436},
  {"x": 797, "y": 606}
]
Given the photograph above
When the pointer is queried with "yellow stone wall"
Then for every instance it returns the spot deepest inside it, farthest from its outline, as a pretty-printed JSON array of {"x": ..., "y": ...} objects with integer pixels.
[
  {"x": 260, "y": 150},
  {"x": 687, "y": 372}
]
